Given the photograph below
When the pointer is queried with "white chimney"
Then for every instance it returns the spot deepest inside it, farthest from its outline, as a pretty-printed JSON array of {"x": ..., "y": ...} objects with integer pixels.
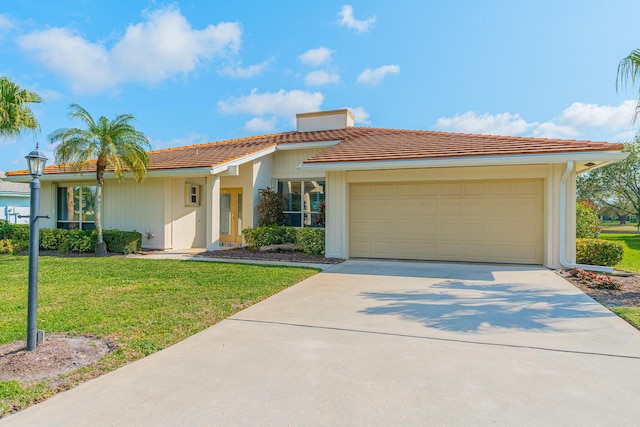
[{"x": 324, "y": 120}]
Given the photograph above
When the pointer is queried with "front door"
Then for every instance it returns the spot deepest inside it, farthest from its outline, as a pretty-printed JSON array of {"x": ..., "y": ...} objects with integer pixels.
[{"x": 231, "y": 216}]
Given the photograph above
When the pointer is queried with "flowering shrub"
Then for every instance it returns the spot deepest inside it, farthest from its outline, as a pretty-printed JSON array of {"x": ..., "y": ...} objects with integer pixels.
[
  {"x": 587, "y": 222},
  {"x": 598, "y": 252},
  {"x": 595, "y": 280}
]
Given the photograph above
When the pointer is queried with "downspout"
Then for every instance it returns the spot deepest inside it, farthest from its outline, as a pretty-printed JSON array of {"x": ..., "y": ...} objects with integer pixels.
[{"x": 563, "y": 226}]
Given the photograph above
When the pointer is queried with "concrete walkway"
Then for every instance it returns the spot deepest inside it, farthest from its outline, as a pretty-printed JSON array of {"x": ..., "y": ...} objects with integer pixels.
[
  {"x": 193, "y": 255},
  {"x": 383, "y": 343}
]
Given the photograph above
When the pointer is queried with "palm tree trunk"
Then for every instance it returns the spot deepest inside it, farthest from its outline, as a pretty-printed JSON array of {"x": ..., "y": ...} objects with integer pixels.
[{"x": 101, "y": 247}]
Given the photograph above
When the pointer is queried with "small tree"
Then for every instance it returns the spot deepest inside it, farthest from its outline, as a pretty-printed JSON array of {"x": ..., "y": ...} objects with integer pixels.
[
  {"x": 271, "y": 207},
  {"x": 587, "y": 222},
  {"x": 15, "y": 113},
  {"x": 101, "y": 144}
]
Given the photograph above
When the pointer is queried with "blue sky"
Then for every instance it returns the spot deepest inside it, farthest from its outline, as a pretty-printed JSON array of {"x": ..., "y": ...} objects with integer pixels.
[{"x": 198, "y": 71}]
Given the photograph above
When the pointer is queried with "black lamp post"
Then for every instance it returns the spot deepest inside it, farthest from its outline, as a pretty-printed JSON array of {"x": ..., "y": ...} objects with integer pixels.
[{"x": 36, "y": 161}]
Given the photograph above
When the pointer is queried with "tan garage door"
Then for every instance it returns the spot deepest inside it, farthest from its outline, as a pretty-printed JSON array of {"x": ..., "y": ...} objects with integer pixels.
[{"x": 486, "y": 221}]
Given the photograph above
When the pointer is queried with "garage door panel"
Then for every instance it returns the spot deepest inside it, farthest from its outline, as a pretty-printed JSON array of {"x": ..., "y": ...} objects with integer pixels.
[
  {"x": 427, "y": 189},
  {"x": 474, "y": 188},
  {"x": 474, "y": 208},
  {"x": 426, "y": 208},
  {"x": 450, "y": 189},
  {"x": 495, "y": 221},
  {"x": 383, "y": 190},
  {"x": 450, "y": 208}
]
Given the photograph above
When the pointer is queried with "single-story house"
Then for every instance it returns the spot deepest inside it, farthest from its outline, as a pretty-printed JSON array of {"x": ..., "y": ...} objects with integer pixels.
[
  {"x": 14, "y": 201},
  {"x": 379, "y": 193}
]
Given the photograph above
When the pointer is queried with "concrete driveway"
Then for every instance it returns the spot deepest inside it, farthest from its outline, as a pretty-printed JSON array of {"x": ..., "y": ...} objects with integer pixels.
[{"x": 383, "y": 343}]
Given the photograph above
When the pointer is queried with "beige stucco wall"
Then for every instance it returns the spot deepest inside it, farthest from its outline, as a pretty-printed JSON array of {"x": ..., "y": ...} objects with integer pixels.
[
  {"x": 337, "y": 215},
  {"x": 187, "y": 222},
  {"x": 126, "y": 205},
  {"x": 286, "y": 162}
]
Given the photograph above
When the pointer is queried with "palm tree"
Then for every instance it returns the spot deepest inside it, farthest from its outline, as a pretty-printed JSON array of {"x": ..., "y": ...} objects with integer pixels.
[
  {"x": 628, "y": 72},
  {"x": 15, "y": 114},
  {"x": 116, "y": 144}
]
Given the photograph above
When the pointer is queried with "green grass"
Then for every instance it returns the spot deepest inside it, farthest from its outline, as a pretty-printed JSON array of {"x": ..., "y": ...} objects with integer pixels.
[
  {"x": 630, "y": 314},
  {"x": 631, "y": 245},
  {"x": 142, "y": 306},
  {"x": 615, "y": 227}
]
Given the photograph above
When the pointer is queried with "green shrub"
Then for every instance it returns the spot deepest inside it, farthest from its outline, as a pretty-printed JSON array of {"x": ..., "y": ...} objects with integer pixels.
[
  {"x": 19, "y": 232},
  {"x": 52, "y": 238},
  {"x": 19, "y": 245},
  {"x": 311, "y": 240},
  {"x": 270, "y": 207},
  {"x": 6, "y": 247},
  {"x": 81, "y": 240},
  {"x": 5, "y": 229},
  {"x": 269, "y": 235},
  {"x": 123, "y": 242},
  {"x": 587, "y": 222},
  {"x": 598, "y": 252}
]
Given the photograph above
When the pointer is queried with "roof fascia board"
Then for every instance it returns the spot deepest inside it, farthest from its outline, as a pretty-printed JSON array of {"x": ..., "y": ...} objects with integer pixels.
[
  {"x": 242, "y": 160},
  {"x": 305, "y": 145},
  {"x": 611, "y": 156},
  {"x": 9, "y": 194},
  {"x": 186, "y": 172}
]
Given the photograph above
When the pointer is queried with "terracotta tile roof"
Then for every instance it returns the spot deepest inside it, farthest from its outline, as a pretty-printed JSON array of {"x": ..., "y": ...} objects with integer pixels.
[
  {"x": 361, "y": 144},
  {"x": 371, "y": 144}
]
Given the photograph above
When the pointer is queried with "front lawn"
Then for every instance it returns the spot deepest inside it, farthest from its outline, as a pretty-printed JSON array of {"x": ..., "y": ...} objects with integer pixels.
[
  {"x": 631, "y": 245},
  {"x": 141, "y": 306}
]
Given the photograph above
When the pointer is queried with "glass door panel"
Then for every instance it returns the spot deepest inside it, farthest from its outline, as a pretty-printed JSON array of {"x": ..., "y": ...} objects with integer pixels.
[
  {"x": 231, "y": 216},
  {"x": 225, "y": 214}
]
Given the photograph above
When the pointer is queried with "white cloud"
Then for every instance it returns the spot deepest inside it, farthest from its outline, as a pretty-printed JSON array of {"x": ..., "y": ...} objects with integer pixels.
[
  {"x": 553, "y": 130},
  {"x": 6, "y": 24},
  {"x": 49, "y": 95},
  {"x": 320, "y": 78},
  {"x": 578, "y": 121},
  {"x": 583, "y": 115},
  {"x": 163, "y": 46},
  {"x": 260, "y": 125},
  {"x": 375, "y": 76},
  {"x": 361, "y": 115},
  {"x": 348, "y": 20},
  {"x": 471, "y": 122},
  {"x": 190, "y": 139},
  {"x": 316, "y": 57},
  {"x": 281, "y": 103},
  {"x": 247, "y": 72}
]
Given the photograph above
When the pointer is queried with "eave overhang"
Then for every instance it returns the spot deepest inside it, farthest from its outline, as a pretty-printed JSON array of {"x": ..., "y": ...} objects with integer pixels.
[{"x": 599, "y": 159}]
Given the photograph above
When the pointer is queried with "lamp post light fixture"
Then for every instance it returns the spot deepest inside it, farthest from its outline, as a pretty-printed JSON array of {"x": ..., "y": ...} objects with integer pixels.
[{"x": 36, "y": 161}]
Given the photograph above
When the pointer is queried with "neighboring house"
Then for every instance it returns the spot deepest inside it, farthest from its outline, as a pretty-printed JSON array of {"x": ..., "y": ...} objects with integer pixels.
[
  {"x": 401, "y": 194},
  {"x": 14, "y": 201}
]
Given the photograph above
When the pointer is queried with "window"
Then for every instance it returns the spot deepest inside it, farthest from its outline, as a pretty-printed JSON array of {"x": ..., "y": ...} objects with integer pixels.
[
  {"x": 192, "y": 195},
  {"x": 305, "y": 202},
  {"x": 76, "y": 207}
]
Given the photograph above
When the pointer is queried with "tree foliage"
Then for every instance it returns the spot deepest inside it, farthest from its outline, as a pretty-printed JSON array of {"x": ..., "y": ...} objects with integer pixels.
[
  {"x": 587, "y": 222},
  {"x": 628, "y": 72},
  {"x": 616, "y": 185},
  {"x": 102, "y": 144},
  {"x": 15, "y": 113},
  {"x": 271, "y": 207}
]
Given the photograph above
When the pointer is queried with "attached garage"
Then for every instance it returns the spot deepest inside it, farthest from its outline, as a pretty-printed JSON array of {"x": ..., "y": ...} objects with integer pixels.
[{"x": 482, "y": 221}]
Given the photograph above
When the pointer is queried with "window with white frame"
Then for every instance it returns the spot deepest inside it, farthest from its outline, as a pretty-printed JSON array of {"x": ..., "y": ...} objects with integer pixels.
[
  {"x": 76, "y": 207},
  {"x": 305, "y": 202},
  {"x": 192, "y": 195}
]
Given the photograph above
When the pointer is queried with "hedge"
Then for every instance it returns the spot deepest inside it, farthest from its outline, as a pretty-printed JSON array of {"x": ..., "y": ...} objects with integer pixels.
[
  {"x": 598, "y": 252},
  {"x": 15, "y": 238},
  {"x": 123, "y": 242},
  {"x": 266, "y": 235},
  {"x": 310, "y": 240}
]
